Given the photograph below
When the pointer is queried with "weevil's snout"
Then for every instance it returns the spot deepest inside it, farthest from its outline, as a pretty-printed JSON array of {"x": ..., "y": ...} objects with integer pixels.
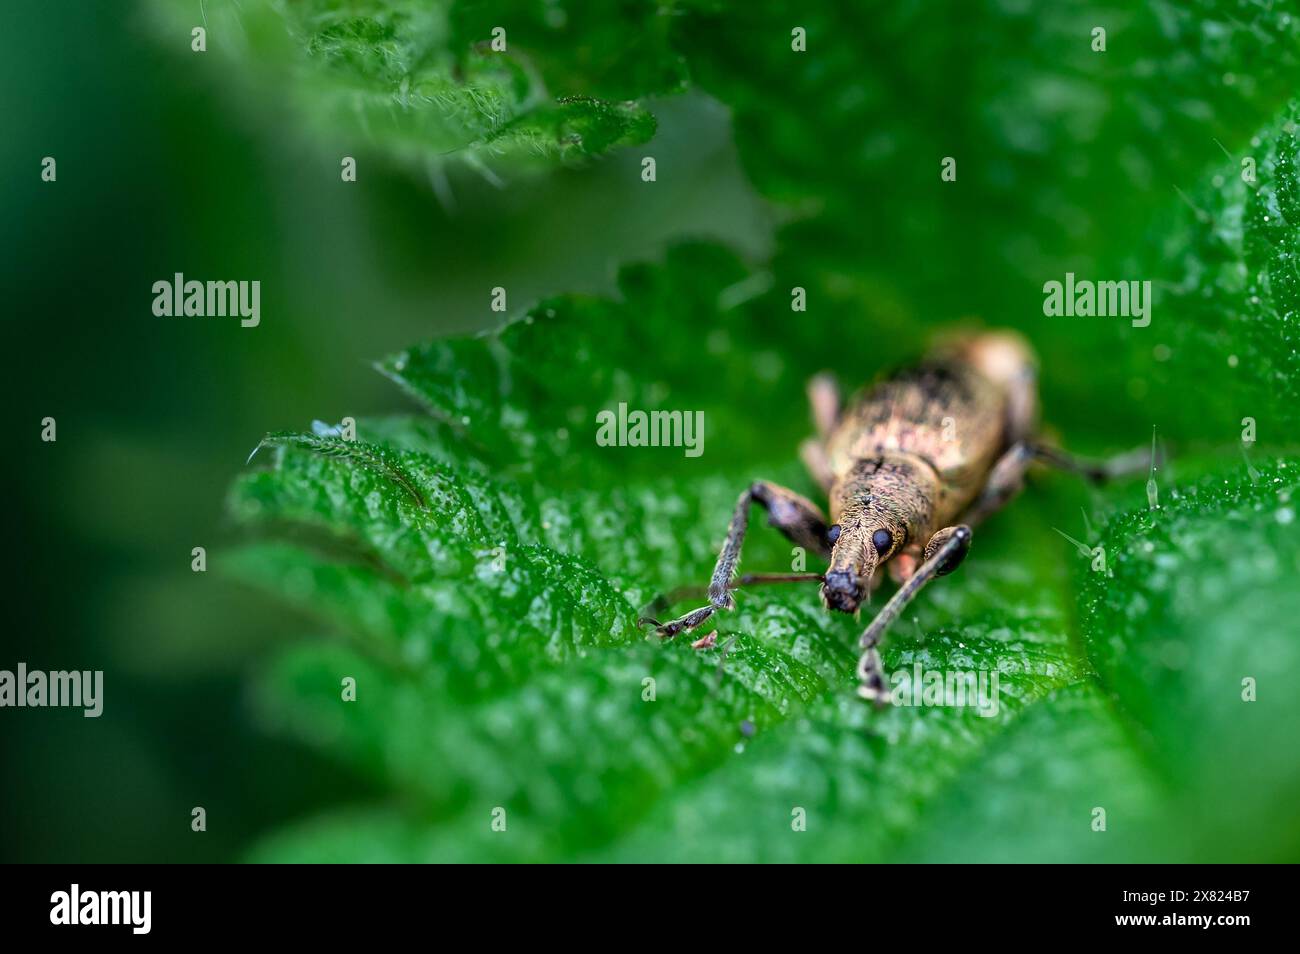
[{"x": 842, "y": 591}]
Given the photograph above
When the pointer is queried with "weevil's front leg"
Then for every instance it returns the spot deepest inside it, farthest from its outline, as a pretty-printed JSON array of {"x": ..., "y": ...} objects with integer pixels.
[
  {"x": 1006, "y": 479},
  {"x": 1126, "y": 464},
  {"x": 795, "y": 516},
  {"x": 943, "y": 554},
  {"x": 813, "y": 454},
  {"x": 826, "y": 402},
  {"x": 827, "y": 406}
]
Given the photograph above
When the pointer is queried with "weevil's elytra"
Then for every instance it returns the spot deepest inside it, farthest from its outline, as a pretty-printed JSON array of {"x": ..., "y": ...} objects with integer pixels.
[{"x": 909, "y": 465}]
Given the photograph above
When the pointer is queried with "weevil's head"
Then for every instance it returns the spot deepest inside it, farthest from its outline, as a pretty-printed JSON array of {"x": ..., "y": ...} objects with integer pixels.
[
  {"x": 860, "y": 544},
  {"x": 878, "y": 508}
]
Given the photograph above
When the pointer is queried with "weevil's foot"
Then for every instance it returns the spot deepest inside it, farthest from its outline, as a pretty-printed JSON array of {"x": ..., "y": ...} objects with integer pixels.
[
  {"x": 873, "y": 687},
  {"x": 876, "y": 695},
  {"x": 689, "y": 621}
]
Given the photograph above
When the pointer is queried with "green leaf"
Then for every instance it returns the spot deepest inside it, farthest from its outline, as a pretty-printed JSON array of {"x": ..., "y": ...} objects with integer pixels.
[
  {"x": 528, "y": 398},
  {"x": 582, "y": 47},
  {"x": 401, "y": 76},
  {"x": 1229, "y": 263},
  {"x": 1200, "y": 614},
  {"x": 488, "y": 595}
]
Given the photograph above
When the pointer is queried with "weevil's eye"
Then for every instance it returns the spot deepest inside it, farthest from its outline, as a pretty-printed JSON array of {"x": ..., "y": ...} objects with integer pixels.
[
  {"x": 833, "y": 533},
  {"x": 882, "y": 540}
]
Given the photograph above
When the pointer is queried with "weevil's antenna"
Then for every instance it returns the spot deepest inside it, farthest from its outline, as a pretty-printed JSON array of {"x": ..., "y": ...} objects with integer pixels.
[
  {"x": 664, "y": 600},
  {"x": 869, "y": 664}
]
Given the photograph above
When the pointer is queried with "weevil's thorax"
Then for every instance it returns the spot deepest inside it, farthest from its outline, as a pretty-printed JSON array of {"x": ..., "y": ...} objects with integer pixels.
[{"x": 893, "y": 491}]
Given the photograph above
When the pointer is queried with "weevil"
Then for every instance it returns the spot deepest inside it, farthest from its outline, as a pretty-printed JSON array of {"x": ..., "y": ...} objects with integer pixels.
[{"x": 909, "y": 466}]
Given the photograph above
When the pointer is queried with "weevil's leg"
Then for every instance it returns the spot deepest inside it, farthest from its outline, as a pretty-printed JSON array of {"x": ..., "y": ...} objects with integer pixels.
[
  {"x": 1006, "y": 479},
  {"x": 813, "y": 454},
  {"x": 826, "y": 403},
  {"x": 943, "y": 554},
  {"x": 871, "y": 676},
  {"x": 1022, "y": 404},
  {"x": 795, "y": 516},
  {"x": 1126, "y": 464},
  {"x": 1008, "y": 475}
]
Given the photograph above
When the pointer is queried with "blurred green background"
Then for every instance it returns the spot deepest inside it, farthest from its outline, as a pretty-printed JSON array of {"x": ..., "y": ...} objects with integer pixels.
[{"x": 1120, "y": 164}]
